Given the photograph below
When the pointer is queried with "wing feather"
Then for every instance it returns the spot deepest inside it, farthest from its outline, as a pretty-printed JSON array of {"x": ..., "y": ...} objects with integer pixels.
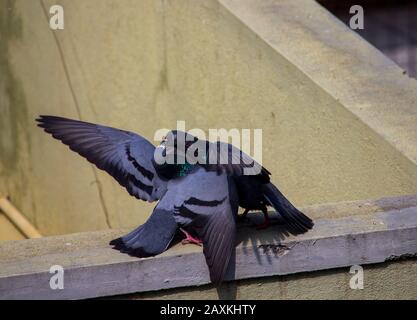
[
  {"x": 126, "y": 156},
  {"x": 224, "y": 157},
  {"x": 205, "y": 208}
]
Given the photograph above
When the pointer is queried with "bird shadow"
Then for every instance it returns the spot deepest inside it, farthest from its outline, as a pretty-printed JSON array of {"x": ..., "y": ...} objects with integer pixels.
[{"x": 265, "y": 244}]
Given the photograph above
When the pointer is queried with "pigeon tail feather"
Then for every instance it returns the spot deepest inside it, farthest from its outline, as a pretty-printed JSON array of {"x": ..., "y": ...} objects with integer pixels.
[{"x": 295, "y": 219}]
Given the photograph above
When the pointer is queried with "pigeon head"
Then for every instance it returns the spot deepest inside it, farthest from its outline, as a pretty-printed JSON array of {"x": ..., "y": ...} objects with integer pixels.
[
  {"x": 173, "y": 157},
  {"x": 174, "y": 146}
]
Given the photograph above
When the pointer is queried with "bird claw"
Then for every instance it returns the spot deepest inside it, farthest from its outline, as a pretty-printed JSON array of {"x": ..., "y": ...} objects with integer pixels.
[
  {"x": 189, "y": 239},
  {"x": 192, "y": 240},
  {"x": 196, "y": 242}
]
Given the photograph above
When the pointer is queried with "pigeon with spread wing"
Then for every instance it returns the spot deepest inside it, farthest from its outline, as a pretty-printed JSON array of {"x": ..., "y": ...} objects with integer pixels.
[{"x": 201, "y": 199}]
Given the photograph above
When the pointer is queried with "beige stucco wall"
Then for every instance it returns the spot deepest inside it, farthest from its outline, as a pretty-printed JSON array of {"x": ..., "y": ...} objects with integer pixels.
[
  {"x": 142, "y": 65},
  {"x": 8, "y": 231}
]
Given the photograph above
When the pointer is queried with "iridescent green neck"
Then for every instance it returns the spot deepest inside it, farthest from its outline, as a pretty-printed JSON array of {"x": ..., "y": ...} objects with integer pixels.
[{"x": 185, "y": 169}]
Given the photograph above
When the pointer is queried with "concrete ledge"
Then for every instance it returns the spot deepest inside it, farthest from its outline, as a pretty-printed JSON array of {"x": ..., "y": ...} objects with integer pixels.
[{"x": 93, "y": 269}]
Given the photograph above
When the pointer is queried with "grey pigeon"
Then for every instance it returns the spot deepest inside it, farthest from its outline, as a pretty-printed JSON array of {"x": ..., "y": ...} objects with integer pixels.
[{"x": 200, "y": 199}]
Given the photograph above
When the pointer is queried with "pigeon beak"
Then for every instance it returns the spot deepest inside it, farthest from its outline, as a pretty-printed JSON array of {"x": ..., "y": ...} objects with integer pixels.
[
  {"x": 161, "y": 148},
  {"x": 160, "y": 154}
]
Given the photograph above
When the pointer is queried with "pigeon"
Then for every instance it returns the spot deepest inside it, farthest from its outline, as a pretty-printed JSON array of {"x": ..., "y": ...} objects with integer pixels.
[{"x": 199, "y": 199}]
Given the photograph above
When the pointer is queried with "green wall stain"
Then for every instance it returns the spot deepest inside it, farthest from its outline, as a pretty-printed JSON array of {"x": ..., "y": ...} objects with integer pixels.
[
  {"x": 13, "y": 109},
  {"x": 14, "y": 137}
]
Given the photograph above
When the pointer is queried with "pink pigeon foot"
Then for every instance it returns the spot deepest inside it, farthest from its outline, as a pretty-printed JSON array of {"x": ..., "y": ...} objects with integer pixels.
[
  {"x": 190, "y": 239},
  {"x": 266, "y": 222}
]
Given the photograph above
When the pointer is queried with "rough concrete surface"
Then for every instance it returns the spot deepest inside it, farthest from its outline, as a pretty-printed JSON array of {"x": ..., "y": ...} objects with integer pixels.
[
  {"x": 355, "y": 73},
  {"x": 391, "y": 280},
  {"x": 93, "y": 269}
]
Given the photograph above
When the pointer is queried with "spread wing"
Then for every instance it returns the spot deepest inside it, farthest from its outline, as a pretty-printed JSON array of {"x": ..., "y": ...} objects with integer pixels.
[
  {"x": 126, "y": 156},
  {"x": 207, "y": 206},
  {"x": 224, "y": 157},
  {"x": 151, "y": 238},
  {"x": 202, "y": 202},
  {"x": 217, "y": 230}
]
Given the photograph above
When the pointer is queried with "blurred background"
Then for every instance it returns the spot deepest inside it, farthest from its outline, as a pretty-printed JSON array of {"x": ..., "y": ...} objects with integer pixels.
[{"x": 390, "y": 26}]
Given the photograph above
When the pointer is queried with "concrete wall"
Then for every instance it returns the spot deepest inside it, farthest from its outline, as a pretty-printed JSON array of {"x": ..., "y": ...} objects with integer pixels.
[
  {"x": 142, "y": 65},
  {"x": 379, "y": 235},
  {"x": 395, "y": 280},
  {"x": 8, "y": 231}
]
